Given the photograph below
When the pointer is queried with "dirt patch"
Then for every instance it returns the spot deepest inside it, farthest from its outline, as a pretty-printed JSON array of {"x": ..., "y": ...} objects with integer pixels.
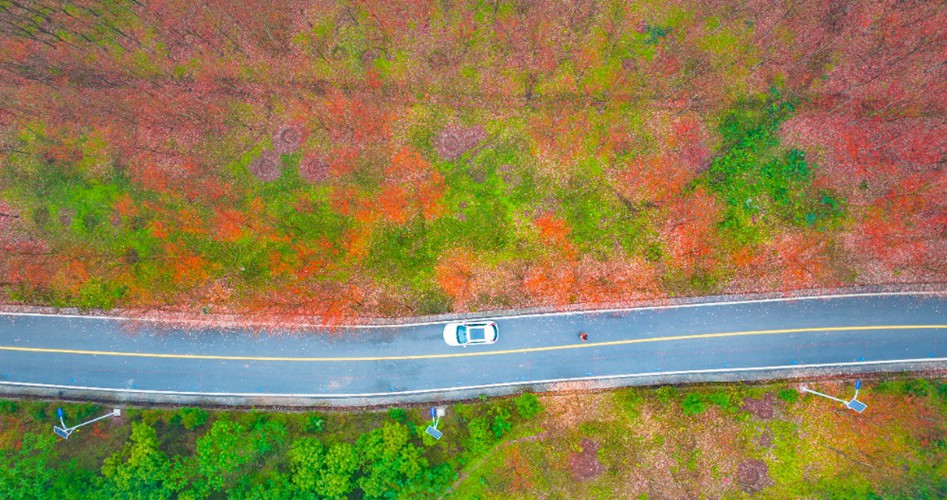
[
  {"x": 454, "y": 141},
  {"x": 584, "y": 465},
  {"x": 288, "y": 139},
  {"x": 65, "y": 216},
  {"x": 510, "y": 177},
  {"x": 314, "y": 169},
  {"x": 266, "y": 167},
  {"x": 766, "y": 439},
  {"x": 753, "y": 476},
  {"x": 762, "y": 407},
  {"x": 477, "y": 174},
  {"x": 568, "y": 407}
]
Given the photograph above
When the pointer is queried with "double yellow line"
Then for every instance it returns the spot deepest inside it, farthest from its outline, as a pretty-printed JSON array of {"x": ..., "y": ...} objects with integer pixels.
[{"x": 466, "y": 354}]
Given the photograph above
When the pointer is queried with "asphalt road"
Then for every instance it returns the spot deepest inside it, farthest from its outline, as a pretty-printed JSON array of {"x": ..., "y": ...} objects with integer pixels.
[{"x": 63, "y": 353}]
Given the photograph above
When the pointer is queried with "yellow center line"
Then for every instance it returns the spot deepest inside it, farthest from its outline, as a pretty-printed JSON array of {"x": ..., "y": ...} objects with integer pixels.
[{"x": 583, "y": 345}]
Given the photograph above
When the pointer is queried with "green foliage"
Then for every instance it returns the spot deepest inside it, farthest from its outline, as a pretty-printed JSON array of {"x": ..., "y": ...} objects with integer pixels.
[
  {"x": 665, "y": 394},
  {"x": 788, "y": 395},
  {"x": 655, "y": 34},
  {"x": 920, "y": 388},
  {"x": 501, "y": 422},
  {"x": 597, "y": 218},
  {"x": 391, "y": 464},
  {"x": 82, "y": 412},
  {"x": 225, "y": 451},
  {"x": 630, "y": 400},
  {"x": 315, "y": 423},
  {"x": 140, "y": 470},
  {"x": 693, "y": 404},
  {"x": 917, "y": 387},
  {"x": 399, "y": 415},
  {"x": 721, "y": 399},
  {"x": 527, "y": 406},
  {"x": 189, "y": 418},
  {"x": 38, "y": 411},
  {"x": 8, "y": 407},
  {"x": 27, "y": 470},
  {"x": 479, "y": 437},
  {"x": 760, "y": 185},
  {"x": 789, "y": 457},
  {"x": 324, "y": 473}
]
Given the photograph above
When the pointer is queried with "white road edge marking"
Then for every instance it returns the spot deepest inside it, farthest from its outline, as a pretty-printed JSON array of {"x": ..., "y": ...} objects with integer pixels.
[
  {"x": 514, "y": 316},
  {"x": 484, "y": 386}
]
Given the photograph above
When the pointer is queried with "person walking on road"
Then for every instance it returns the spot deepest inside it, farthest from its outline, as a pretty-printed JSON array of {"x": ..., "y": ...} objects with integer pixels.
[{"x": 584, "y": 336}]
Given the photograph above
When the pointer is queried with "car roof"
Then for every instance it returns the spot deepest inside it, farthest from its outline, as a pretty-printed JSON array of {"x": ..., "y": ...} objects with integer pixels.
[{"x": 476, "y": 332}]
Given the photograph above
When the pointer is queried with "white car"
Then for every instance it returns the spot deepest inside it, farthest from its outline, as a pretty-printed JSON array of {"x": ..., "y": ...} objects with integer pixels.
[{"x": 471, "y": 332}]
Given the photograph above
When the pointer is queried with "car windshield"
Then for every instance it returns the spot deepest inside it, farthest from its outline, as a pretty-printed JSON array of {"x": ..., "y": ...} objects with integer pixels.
[{"x": 462, "y": 334}]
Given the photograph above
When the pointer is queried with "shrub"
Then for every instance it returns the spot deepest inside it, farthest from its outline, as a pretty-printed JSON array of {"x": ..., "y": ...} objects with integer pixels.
[
  {"x": 788, "y": 395},
  {"x": 464, "y": 411},
  {"x": 480, "y": 438},
  {"x": 392, "y": 466},
  {"x": 8, "y": 407},
  {"x": 886, "y": 387},
  {"x": 693, "y": 404},
  {"x": 316, "y": 424},
  {"x": 398, "y": 414},
  {"x": 86, "y": 411},
  {"x": 721, "y": 399},
  {"x": 501, "y": 422},
  {"x": 38, "y": 411},
  {"x": 189, "y": 418},
  {"x": 917, "y": 387},
  {"x": 528, "y": 406}
]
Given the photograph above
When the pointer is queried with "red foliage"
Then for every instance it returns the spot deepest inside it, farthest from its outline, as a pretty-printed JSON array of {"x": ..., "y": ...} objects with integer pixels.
[
  {"x": 394, "y": 204},
  {"x": 356, "y": 120},
  {"x": 229, "y": 224},
  {"x": 551, "y": 282},
  {"x": 454, "y": 273},
  {"x": 187, "y": 267},
  {"x": 412, "y": 187},
  {"x": 553, "y": 230},
  {"x": 904, "y": 228},
  {"x": 689, "y": 230}
]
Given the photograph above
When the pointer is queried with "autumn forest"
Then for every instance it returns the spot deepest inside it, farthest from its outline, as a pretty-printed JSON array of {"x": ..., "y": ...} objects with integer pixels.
[{"x": 351, "y": 159}]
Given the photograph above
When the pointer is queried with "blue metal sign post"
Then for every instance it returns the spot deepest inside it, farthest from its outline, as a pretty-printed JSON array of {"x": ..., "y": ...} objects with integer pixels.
[
  {"x": 64, "y": 432},
  {"x": 436, "y": 414},
  {"x": 853, "y": 404}
]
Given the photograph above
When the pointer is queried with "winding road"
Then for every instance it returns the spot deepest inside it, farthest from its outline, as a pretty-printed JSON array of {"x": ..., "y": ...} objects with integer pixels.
[{"x": 99, "y": 358}]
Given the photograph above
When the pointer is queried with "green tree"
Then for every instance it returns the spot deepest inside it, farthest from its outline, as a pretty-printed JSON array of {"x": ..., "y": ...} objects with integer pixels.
[
  {"x": 26, "y": 471},
  {"x": 337, "y": 479},
  {"x": 390, "y": 463},
  {"x": 190, "y": 418},
  {"x": 140, "y": 470},
  {"x": 327, "y": 474},
  {"x": 228, "y": 447},
  {"x": 480, "y": 437}
]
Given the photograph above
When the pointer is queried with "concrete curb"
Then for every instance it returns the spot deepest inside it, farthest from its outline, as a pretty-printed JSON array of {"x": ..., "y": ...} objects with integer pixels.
[{"x": 341, "y": 401}]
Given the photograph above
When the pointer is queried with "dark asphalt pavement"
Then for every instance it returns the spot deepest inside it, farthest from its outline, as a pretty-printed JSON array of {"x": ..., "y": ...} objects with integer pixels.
[{"x": 530, "y": 348}]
